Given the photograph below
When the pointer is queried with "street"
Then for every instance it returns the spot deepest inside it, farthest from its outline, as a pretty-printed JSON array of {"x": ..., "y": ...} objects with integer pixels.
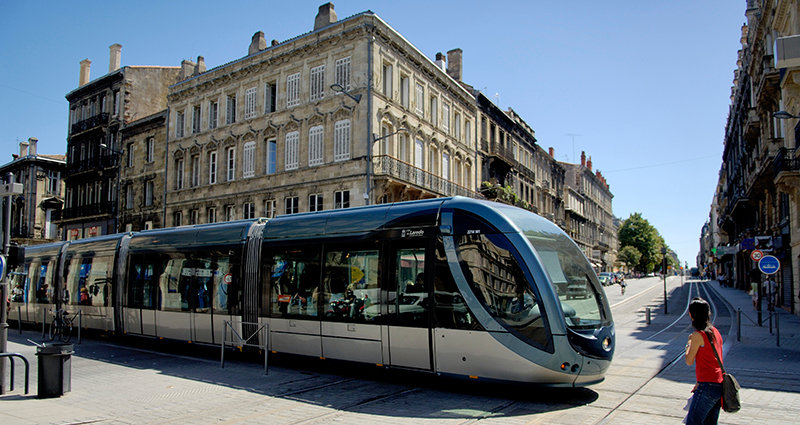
[{"x": 648, "y": 381}]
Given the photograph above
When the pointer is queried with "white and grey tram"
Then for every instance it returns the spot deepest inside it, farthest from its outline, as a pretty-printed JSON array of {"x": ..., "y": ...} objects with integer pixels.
[{"x": 453, "y": 286}]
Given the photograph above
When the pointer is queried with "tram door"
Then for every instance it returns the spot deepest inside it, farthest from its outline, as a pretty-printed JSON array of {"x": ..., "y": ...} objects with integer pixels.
[{"x": 409, "y": 305}]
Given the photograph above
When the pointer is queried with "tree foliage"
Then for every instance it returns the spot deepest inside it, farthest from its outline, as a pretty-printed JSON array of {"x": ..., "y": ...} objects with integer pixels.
[
  {"x": 638, "y": 233},
  {"x": 630, "y": 256}
]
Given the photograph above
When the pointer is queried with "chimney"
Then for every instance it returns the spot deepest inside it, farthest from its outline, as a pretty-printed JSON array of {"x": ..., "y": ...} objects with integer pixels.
[
  {"x": 589, "y": 163},
  {"x": 552, "y": 152},
  {"x": 454, "y": 64},
  {"x": 275, "y": 43},
  {"x": 583, "y": 158},
  {"x": 201, "y": 66},
  {"x": 23, "y": 149},
  {"x": 187, "y": 69},
  {"x": 86, "y": 64},
  {"x": 257, "y": 44},
  {"x": 440, "y": 61},
  {"x": 32, "y": 149},
  {"x": 325, "y": 16},
  {"x": 114, "y": 56}
]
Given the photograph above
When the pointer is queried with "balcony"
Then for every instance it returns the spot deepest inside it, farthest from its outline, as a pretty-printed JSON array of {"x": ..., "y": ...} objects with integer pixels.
[
  {"x": 385, "y": 165},
  {"x": 91, "y": 210},
  {"x": 786, "y": 166},
  {"x": 91, "y": 122},
  {"x": 92, "y": 164}
]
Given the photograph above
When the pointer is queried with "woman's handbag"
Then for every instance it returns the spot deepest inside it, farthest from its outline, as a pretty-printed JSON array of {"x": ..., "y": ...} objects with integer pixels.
[{"x": 730, "y": 388}]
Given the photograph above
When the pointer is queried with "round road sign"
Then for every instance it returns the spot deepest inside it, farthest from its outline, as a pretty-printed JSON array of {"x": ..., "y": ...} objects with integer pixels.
[
  {"x": 769, "y": 264},
  {"x": 756, "y": 255}
]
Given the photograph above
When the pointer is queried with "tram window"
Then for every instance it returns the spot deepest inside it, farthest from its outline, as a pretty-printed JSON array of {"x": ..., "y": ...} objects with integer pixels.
[
  {"x": 20, "y": 282},
  {"x": 88, "y": 280},
  {"x": 226, "y": 285},
  {"x": 451, "y": 310},
  {"x": 498, "y": 281},
  {"x": 408, "y": 294},
  {"x": 44, "y": 290},
  {"x": 294, "y": 279},
  {"x": 174, "y": 288},
  {"x": 142, "y": 288},
  {"x": 350, "y": 290}
]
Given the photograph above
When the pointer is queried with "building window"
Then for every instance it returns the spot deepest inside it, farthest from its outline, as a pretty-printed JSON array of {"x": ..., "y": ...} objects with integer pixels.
[
  {"x": 293, "y": 90},
  {"x": 177, "y": 217},
  {"x": 212, "y": 167},
  {"x": 151, "y": 147},
  {"x": 343, "y": 72},
  {"x": 387, "y": 80},
  {"x": 435, "y": 111},
  {"x": 148, "y": 193},
  {"x": 446, "y": 166},
  {"x": 250, "y": 103},
  {"x": 341, "y": 140},
  {"x": 148, "y": 225},
  {"x": 213, "y": 113},
  {"x": 194, "y": 216},
  {"x": 116, "y": 102},
  {"x": 402, "y": 147},
  {"x": 419, "y": 100},
  {"x": 341, "y": 199},
  {"x": 54, "y": 182},
  {"x": 196, "y": 119},
  {"x": 248, "y": 210},
  {"x": 179, "y": 174},
  {"x": 315, "y": 145},
  {"x": 446, "y": 117},
  {"x": 270, "y": 93},
  {"x": 317, "y": 82},
  {"x": 315, "y": 202},
  {"x": 179, "y": 124},
  {"x": 249, "y": 159},
  {"x": 269, "y": 208},
  {"x": 292, "y": 205},
  {"x": 195, "y": 170},
  {"x": 404, "y": 88},
  {"x": 272, "y": 156},
  {"x": 457, "y": 126},
  {"x": 130, "y": 155},
  {"x": 231, "y": 164},
  {"x": 211, "y": 215},
  {"x": 467, "y": 132},
  {"x": 230, "y": 111},
  {"x": 432, "y": 161},
  {"x": 230, "y": 213},
  {"x": 128, "y": 197},
  {"x": 292, "y": 144}
]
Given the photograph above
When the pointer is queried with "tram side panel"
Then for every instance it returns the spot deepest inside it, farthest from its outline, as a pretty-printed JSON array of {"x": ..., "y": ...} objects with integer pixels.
[
  {"x": 87, "y": 285},
  {"x": 31, "y": 285}
]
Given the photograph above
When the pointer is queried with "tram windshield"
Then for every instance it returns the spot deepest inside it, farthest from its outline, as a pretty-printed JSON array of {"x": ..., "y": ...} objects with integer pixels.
[{"x": 580, "y": 294}]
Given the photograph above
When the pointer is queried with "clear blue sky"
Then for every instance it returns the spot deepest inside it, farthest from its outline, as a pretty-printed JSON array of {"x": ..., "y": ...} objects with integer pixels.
[{"x": 643, "y": 85}]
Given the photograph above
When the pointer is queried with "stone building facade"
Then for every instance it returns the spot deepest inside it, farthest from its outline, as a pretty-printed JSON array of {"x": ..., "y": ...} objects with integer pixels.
[
  {"x": 35, "y": 213},
  {"x": 98, "y": 109},
  {"x": 758, "y": 195},
  {"x": 267, "y": 134},
  {"x": 142, "y": 173}
]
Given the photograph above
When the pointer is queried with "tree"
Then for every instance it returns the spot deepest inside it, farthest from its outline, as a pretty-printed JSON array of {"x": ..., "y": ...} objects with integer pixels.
[
  {"x": 637, "y": 232},
  {"x": 630, "y": 256}
]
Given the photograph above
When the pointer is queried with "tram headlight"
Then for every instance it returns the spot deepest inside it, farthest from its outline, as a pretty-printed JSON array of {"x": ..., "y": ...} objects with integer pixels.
[{"x": 607, "y": 343}]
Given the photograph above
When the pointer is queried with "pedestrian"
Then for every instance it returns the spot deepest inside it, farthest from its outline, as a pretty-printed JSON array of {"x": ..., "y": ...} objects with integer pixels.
[
  {"x": 754, "y": 293},
  {"x": 771, "y": 292},
  {"x": 707, "y": 391}
]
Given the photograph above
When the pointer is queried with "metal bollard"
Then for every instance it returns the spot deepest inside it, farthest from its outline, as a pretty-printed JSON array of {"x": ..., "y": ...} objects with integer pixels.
[
  {"x": 778, "y": 329},
  {"x": 647, "y": 315},
  {"x": 739, "y": 325}
]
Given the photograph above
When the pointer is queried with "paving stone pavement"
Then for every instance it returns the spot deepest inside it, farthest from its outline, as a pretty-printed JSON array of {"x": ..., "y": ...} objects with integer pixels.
[{"x": 116, "y": 383}]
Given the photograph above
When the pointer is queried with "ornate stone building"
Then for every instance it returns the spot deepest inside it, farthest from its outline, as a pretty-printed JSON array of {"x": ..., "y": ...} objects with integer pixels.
[
  {"x": 758, "y": 194},
  {"x": 348, "y": 114},
  {"x": 35, "y": 213},
  {"x": 98, "y": 110}
]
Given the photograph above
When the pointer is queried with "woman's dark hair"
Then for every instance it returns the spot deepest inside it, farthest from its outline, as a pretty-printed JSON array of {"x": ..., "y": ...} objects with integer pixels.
[{"x": 701, "y": 316}]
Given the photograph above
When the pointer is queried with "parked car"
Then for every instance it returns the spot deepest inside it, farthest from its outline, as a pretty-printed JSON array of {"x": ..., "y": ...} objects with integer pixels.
[{"x": 610, "y": 278}]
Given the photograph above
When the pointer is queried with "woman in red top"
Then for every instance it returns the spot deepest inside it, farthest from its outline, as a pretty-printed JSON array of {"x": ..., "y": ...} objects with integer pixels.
[{"x": 708, "y": 390}]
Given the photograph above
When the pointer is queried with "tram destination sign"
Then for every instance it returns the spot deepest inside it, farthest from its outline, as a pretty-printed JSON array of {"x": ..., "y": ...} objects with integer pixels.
[{"x": 769, "y": 264}]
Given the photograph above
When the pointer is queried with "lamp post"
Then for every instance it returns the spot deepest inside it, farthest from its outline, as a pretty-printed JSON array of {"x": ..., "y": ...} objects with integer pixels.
[
  {"x": 118, "y": 156},
  {"x": 339, "y": 89},
  {"x": 664, "y": 271},
  {"x": 783, "y": 115},
  {"x": 375, "y": 139}
]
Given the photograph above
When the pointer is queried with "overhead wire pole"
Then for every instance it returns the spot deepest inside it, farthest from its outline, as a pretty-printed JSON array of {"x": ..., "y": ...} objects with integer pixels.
[
  {"x": 6, "y": 190},
  {"x": 573, "y": 135}
]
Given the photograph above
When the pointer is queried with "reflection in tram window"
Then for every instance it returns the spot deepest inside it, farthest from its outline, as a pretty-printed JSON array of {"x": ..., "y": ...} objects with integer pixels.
[
  {"x": 496, "y": 278},
  {"x": 142, "y": 288},
  {"x": 407, "y": 298},
  {"x": 350, "y": 286},
  {"x": 88, "y": 280},
  {"x": 294, "y": 281},
  {"x": 44, "y": 291},
  {"x": 451, "y": 310},
  {"x": 19, "y": 283}
]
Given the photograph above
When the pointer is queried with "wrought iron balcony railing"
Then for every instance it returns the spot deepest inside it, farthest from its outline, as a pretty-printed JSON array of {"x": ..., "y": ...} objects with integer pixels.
[
  {"x": 90, "y": 122},
  {"x": 786, "y": 161},
  {"x": 385, "y": 165}
]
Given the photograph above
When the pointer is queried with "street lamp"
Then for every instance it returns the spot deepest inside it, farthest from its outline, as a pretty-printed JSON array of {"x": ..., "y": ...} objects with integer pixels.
[
  {"x": 783, "y": 115},
  {"x": 369, "y": 159},
  {"x": 118, "y": 155},
  {"x": 664, "y": 270},
  {"x": 339, "y": 89}
]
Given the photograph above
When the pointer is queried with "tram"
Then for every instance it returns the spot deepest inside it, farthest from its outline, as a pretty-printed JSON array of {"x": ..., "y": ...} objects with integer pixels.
[{"x": 453, "y": 286}]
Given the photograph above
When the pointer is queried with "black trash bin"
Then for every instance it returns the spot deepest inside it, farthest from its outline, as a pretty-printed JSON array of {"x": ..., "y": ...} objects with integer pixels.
[{"x": 55, "y": 369}]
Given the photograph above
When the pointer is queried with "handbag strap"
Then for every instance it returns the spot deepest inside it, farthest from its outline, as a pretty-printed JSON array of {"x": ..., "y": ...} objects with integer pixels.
[{"x": 714, "y": 349}]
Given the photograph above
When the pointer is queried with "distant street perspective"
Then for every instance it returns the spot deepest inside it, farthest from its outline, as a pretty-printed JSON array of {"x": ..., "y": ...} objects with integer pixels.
[{"x": 339, "y": 227}]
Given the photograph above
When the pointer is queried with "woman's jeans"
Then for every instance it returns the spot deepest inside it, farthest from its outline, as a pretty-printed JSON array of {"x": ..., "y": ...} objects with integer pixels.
[{"x": 705, "y": 404}]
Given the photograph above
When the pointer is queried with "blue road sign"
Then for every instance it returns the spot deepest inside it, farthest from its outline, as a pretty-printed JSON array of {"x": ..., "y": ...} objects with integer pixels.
[
  {"x": 768, "y": 264},
  {"x": 2, "y": 267}
]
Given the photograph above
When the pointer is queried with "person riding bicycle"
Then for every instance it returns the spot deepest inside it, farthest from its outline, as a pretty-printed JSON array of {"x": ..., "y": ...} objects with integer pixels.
[{"x": 622, "y": 285}]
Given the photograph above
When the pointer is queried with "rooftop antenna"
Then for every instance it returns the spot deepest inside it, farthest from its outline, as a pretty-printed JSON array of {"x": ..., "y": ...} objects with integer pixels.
[{"x": 573, "y": 135}]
